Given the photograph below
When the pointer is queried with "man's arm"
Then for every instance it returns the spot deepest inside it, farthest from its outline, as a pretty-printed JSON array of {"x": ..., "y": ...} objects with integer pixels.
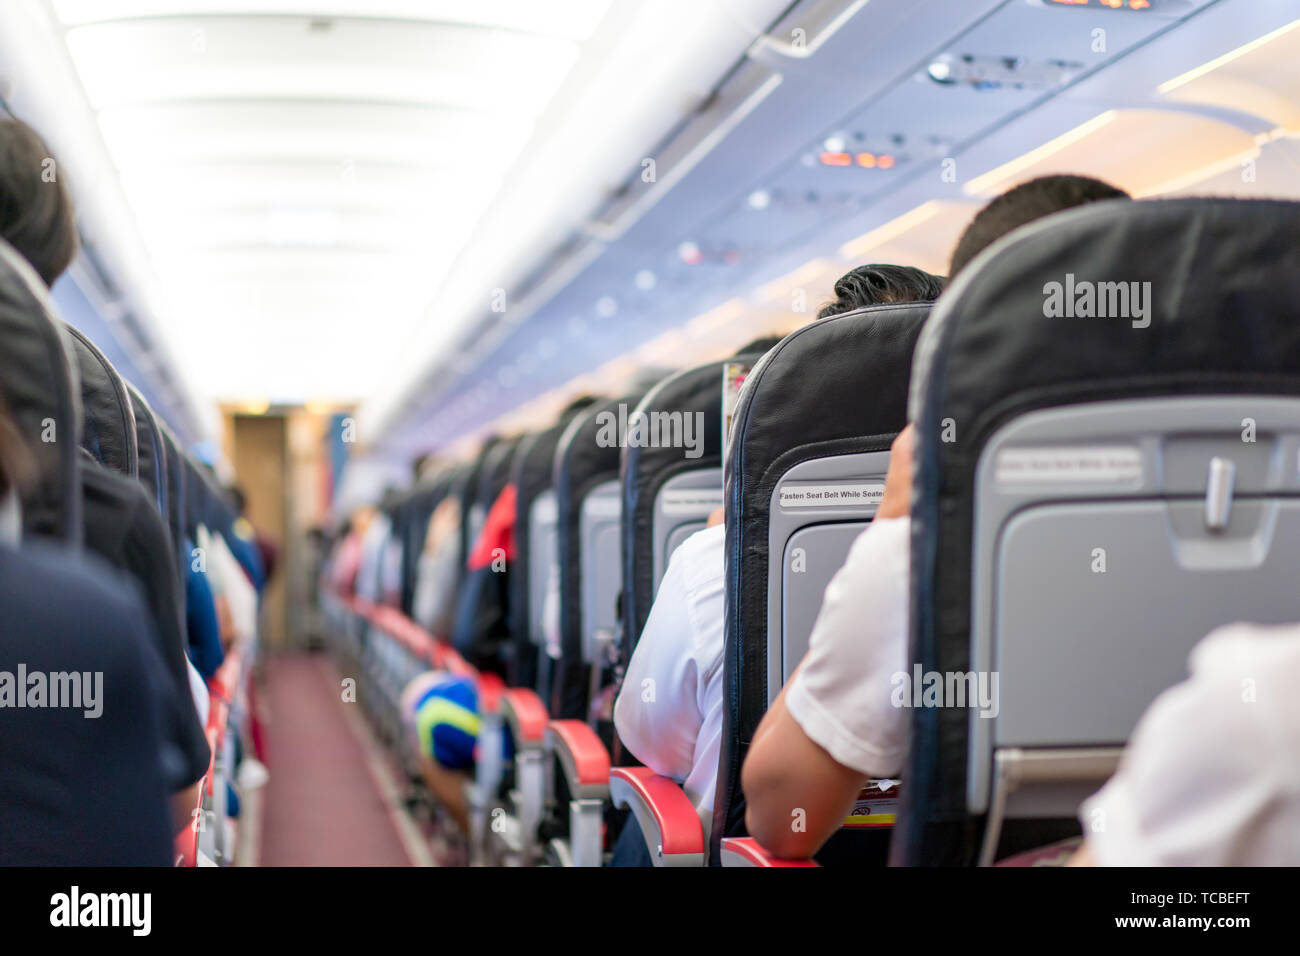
[{"x": 796, "y": 794}]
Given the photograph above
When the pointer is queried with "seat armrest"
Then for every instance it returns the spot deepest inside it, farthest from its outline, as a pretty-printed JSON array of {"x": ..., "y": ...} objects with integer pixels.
[
  {"x": 185, "y": 845},
  {"x": 490, "y": 689},
  {"x": 389, "y": 618},
  {"x": 225, "y": 682},
  {"x": 526, "y": 715},
  {"x": 418, "y": 641},
  {"x": 671, "y": 827},
  {"x": 583, "y": 758},
  {"x": 745, "y": 851}
]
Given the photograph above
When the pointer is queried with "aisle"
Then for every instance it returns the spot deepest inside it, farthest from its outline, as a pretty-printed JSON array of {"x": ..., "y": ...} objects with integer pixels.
[{"x": 325, "y": 804}]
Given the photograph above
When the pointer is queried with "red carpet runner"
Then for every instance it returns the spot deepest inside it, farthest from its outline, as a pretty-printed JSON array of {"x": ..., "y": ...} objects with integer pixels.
[{"x": 322, "y": 805}]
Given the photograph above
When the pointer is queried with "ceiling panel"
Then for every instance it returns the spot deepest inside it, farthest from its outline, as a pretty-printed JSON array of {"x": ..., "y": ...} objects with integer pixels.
[
  {"x": 252, "y": 131},
  {"x": 169, "y": 60},
  {"x": 347, "y": 185},
  {"x": 574, "y": 19},
  {"x": 300, "y": 169},
  {"x": 1259, "y": 77}
]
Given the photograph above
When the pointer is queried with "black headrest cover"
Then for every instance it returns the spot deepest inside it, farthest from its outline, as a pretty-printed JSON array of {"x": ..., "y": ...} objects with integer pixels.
[
  {"x": 495, "y": 474},
  {"x": 837, "y": 386},
  {"x": 1222, "y": 318},
  {"x": 530, "y": 473},
  {"x": 40, "y": 388},
  {"x": 108, "y": 428},
  {"x": 644, "y": 470},
  {"x": 583, "y": 459},
  {"x": 151, "y": 452},
  {"x": 176, "y": 490},
  {"x": 467, "y": 487}
]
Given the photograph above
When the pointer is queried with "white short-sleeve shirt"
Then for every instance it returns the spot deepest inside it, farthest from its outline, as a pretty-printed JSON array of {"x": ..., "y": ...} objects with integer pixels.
[
  {"x": 842, "y": 694},
  {"x": 669, "y": 711},
  {"x": 1211, "y": 774}
]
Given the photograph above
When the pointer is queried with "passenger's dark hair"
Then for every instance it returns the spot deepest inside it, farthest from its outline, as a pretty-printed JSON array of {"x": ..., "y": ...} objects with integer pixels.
[
  {"x": 418, "y": 463},
  {"x": 759, "y": 346},
  {"x": 880, "y": 284},
  {"x": 36, "y": 215},
  {"x": 1029, "y": 201},
  {"x": 578, "y": 404}
]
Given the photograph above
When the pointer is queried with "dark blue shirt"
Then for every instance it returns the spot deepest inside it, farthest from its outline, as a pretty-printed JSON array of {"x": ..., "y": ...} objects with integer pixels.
[{"x": 79, "y": 790}]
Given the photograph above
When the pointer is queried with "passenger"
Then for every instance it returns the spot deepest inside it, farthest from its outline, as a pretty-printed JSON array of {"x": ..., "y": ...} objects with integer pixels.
[
  {"x": 832, "y": 726},
  {"x": 440, "y": 709},
  {"x": 36, "y": 215},
  {"x": 440, "y": 713},
  {"x": 345, "y": 563},
  {"x": 203, "y": 620},
  {"x": 677, "y": 729},
  {"x": 481, "y": 634},
  {"x": 1209, "y": 777},
  {"x": 439, "y": 569},
  {"x": 379, "y": 576},
  {"x": 257, "y": 554},
  {"x": 121, "y": 521},
  {"x": 98, "y": 797},
  {"x": 232, "y": 587}
]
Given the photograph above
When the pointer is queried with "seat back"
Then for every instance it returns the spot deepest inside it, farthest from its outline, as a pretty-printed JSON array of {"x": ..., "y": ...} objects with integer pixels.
[
  {"x": 585, "y": 479},
  {"x": 206, "y": 502},
  {"x": 433, "y": 604},
  {"x": 671, "y": 483},
  {"x": 804, "y": 472},
  {"x": 1108, "y": 412},
  {"x": 198, "y": 506},
  {"x": 531, "y": 472},
  {"x": 419, "y": 507},
  {"x": 471, "y": 518},
  {"x": 600, "y": 529},
  {"x": 40, "y": 385},
  {"x": 405, "y": 514},
  {"x": 108, "y": 427},
  {"x": 480, "y": 631},
  {"x": 176, "y": 496},
  {"x": 543, "y": 520},
  {"x": 152, "y": 455}
]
